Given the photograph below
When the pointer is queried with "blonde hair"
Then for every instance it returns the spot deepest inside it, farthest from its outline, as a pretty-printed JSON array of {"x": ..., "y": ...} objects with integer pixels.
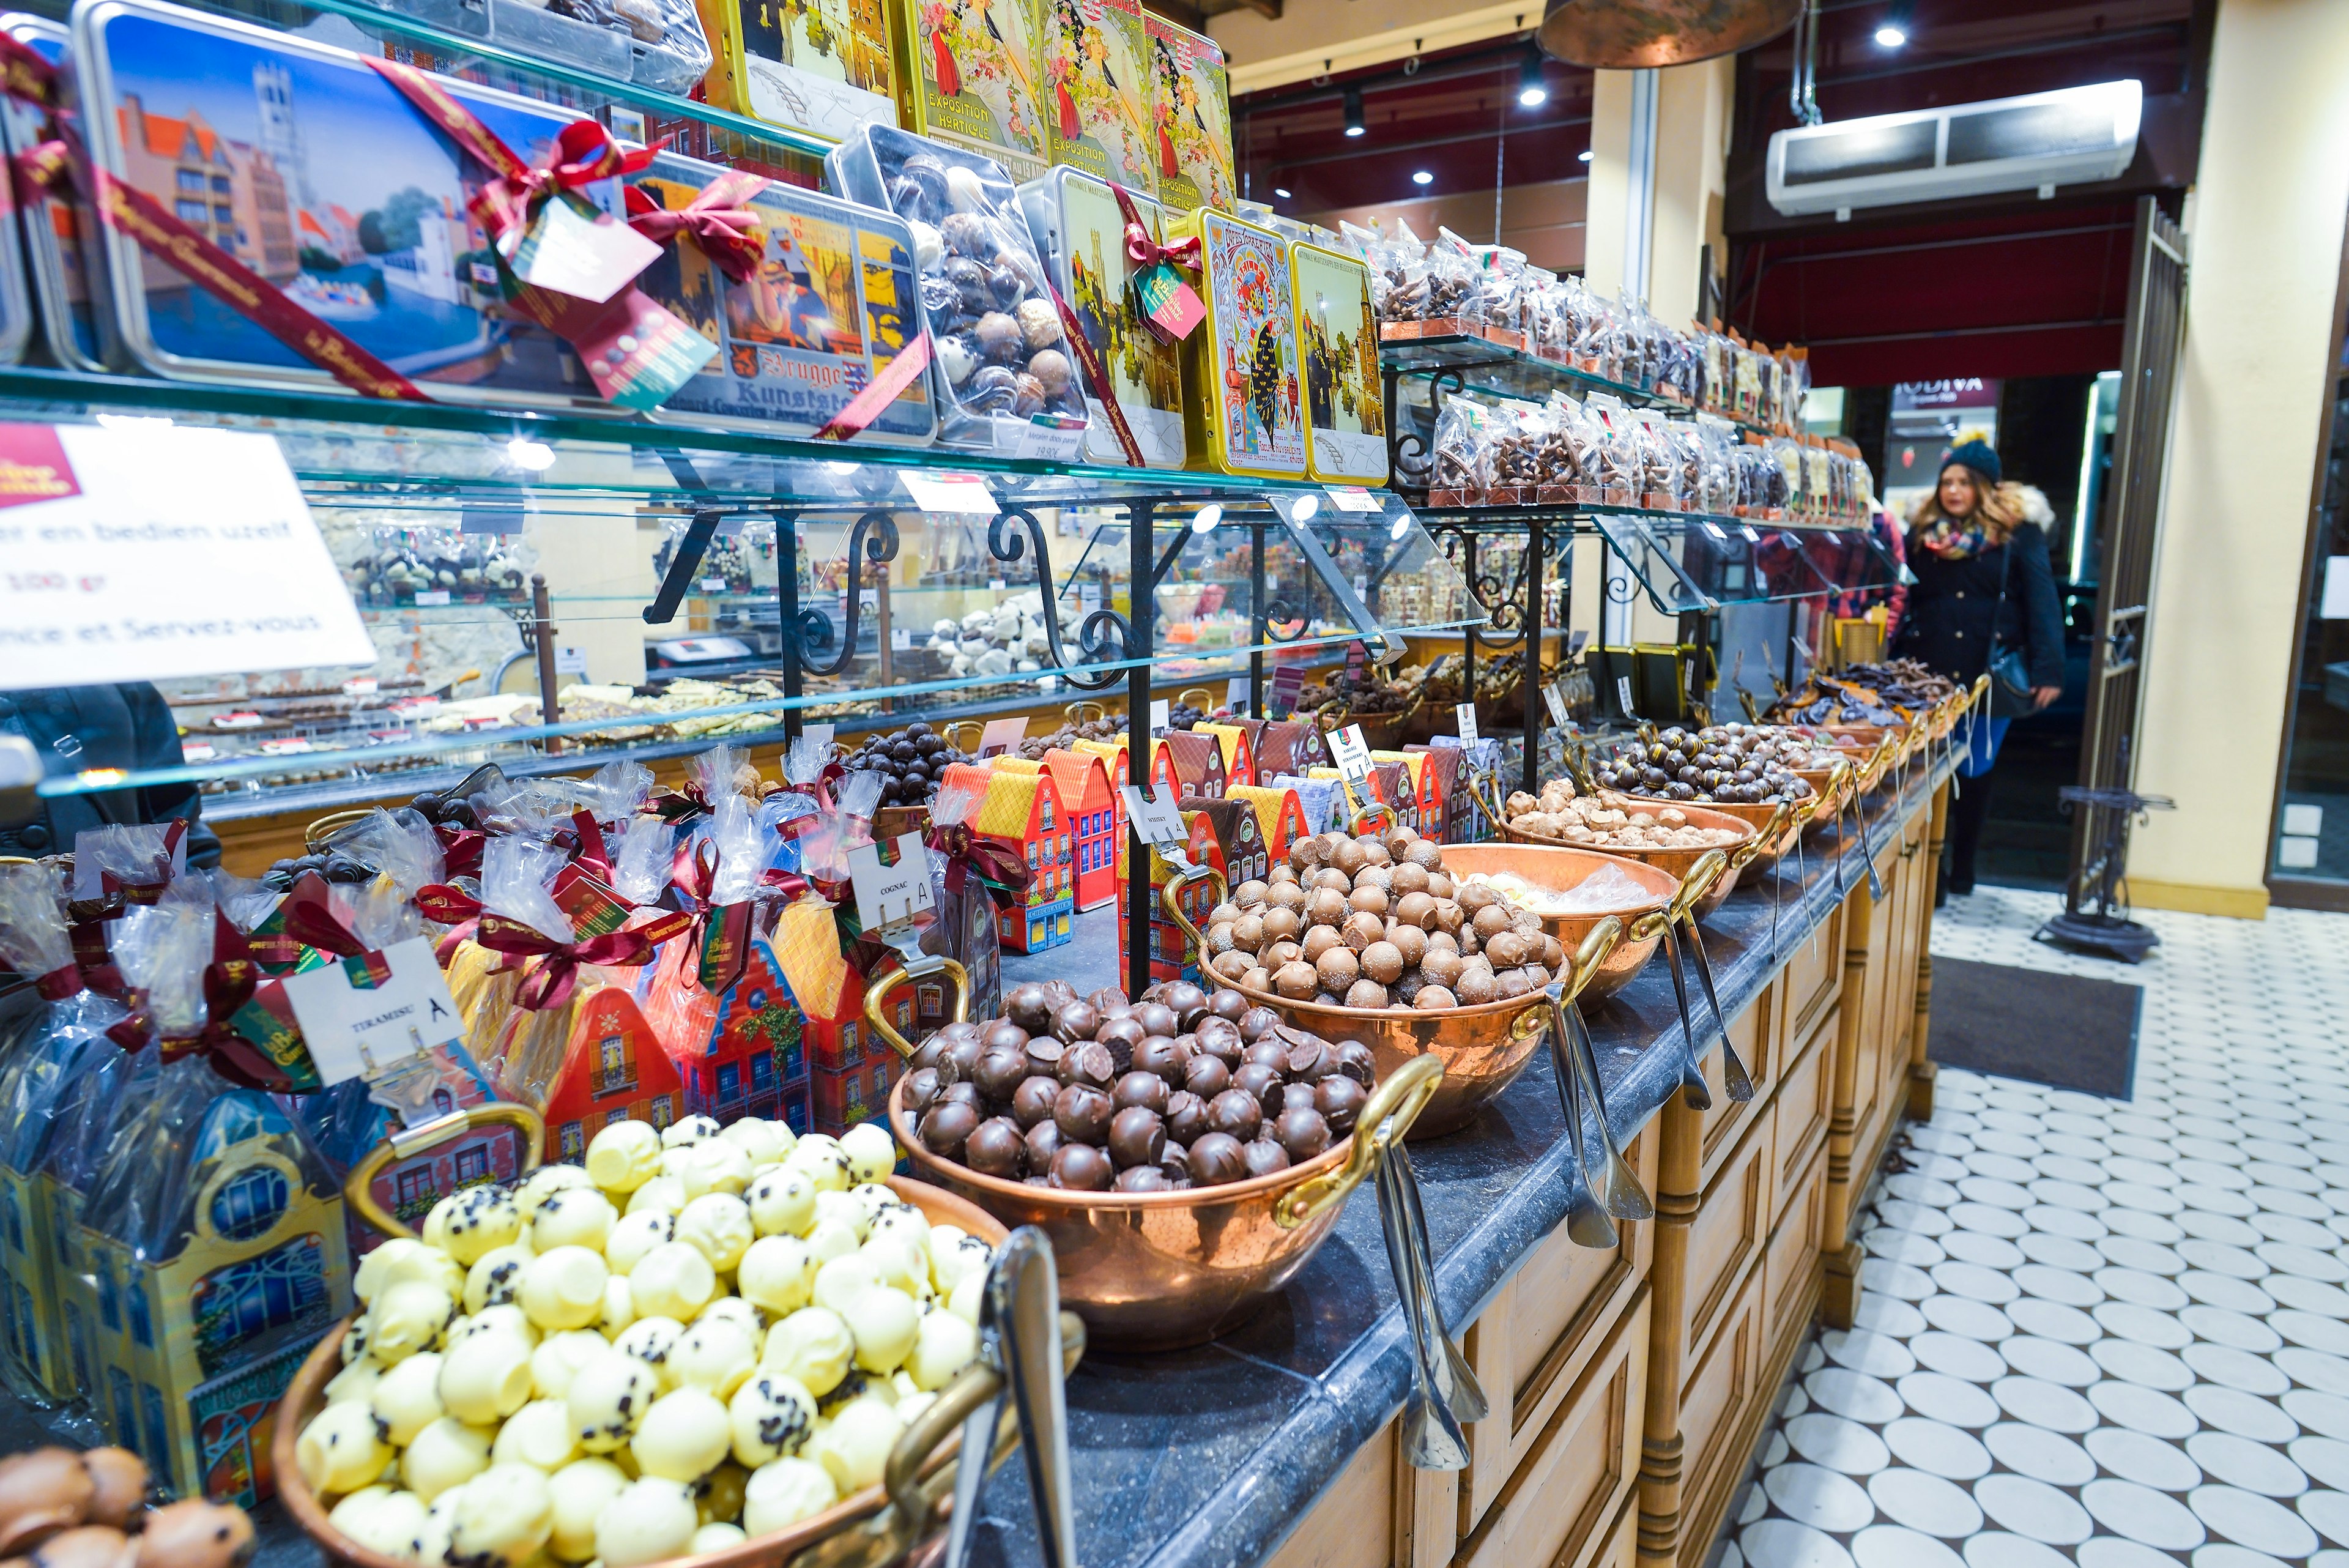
[{"x": 1997, "y": 507}]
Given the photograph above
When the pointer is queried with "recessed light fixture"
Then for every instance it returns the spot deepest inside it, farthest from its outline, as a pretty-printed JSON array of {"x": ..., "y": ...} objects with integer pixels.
[
  {"x": 1280, "y": 192},
  {"x": 1891, "y": 35},
  {"x": 1583, "y": 156},
  {"x": 1355, "y": 126},
  {"x": 1532, "y": 91},
  {"x": 1422, "y": 177}
]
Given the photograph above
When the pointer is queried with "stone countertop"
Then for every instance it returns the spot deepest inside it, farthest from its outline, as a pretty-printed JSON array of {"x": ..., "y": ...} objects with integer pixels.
[{"x": 1211, "y": 1456}]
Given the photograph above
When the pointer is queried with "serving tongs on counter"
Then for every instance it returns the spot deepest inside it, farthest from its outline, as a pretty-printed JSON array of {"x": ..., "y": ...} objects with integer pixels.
[
  {"x": 1595, "y": 1201},
  {"x": 1681, "y": 914}
]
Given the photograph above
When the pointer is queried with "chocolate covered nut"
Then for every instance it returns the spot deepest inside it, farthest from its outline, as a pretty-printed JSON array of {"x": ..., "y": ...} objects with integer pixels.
[
  {"x": 1044, "y": 1141},
  {"x": 1257, "y": 1021},
  {"x": 1032, "y": 1101},
  {"x": 1264, "y": 1157},
  {"x": 945, "y": 1126},
  {"x": 1089, "y": 1063},
  {"x": 1339, "y": 1100},
  {"x": 1235, "y": 1111},
  {"x": 1229, "y": 1006},
  {"x": 921, "y": 1090},
  {"x": 1081, "y": 1167},
  {"x": 996, "y": 1148},
  {"x": 1303, "y": 1133},
  {"x": 1162, "y": 1057}
]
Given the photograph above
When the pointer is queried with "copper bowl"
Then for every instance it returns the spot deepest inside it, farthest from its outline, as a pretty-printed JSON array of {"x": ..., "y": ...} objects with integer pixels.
[
  {"x": 1157, "y": 1271},
  {"x": 917, "y": 1460},
  {"x": 1675, "y": 862},
  {"x": 1561, "y": 870},
  {"x": 1777, "y": 824}
]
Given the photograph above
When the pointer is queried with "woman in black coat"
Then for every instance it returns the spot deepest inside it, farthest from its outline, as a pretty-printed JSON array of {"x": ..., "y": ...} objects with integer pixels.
[{"x": 1979, "y": 549}]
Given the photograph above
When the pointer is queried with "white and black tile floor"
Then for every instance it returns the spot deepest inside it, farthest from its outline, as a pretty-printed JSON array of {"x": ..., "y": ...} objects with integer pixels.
[{"x": 2095, "y": 1333}]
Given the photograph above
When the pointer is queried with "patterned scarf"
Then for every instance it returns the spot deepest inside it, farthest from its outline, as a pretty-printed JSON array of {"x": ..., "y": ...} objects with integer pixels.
[{"x": 1952, "y": 543}]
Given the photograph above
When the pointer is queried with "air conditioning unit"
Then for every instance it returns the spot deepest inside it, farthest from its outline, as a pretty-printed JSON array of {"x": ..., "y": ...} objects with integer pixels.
[{"x": 2035, "y": 142}]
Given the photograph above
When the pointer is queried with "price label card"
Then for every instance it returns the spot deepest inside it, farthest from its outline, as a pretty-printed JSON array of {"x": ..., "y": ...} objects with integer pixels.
[
  {"x": 1155, "y": 817},
  {"x": 432, "y": 598},
  {"x": 1236, "y": 694},
  {"x": 821, "y": 735},
  {"x": 1623, "y": 696},
  {"x": 997, "y": 584},
  {"x": 713, "y": 585},
  {"x": 1159, "y": 715},
  {"x": 1556, "y": 698},
  {"x": 868, "y": 598},
  {"x": 362, "y": 1016},
  {"x": 1357, "y": 658},
  {"x": 1467, "y": 715},
  {"x": 892, "y": 895},
  {"x": 1001, "y": 735},
  {"x": 1286, "y": 683},
  {"x": 493, "y": 520},
  {"x": 1352, "y": 754},
  {"x": 1350, "y": 498},
  {"x": 901, "y": 639},
  {"x": 1055, "y": 438},
  {"x": 578, "y": 249},
  {"x": 962, "y": 493},
  {"x": 570, "y": 662},
  {"x": 1089, "y": 599}
]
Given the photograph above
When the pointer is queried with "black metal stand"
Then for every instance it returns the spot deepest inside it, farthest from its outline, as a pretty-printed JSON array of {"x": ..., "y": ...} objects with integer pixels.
[{"x": 2105, "y": 930}]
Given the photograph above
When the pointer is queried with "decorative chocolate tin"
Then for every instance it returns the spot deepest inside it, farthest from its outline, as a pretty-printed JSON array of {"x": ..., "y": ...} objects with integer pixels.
[
  {"x": 1080, "y": 233},
  {"x": 973, "y": 81},
  {"x": 22, "y": 299},
  {"x": 1097, "y": 91},
  {"x": 1337, "y": 340},
  {"x": 1191, "y": 109},
  {"x": 1242, "y": 409},
  {"x": 824, "y": 66}
]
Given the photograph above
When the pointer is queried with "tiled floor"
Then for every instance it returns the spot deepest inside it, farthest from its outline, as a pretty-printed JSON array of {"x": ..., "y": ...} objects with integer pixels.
[{"x": 2108, "y": 1334}]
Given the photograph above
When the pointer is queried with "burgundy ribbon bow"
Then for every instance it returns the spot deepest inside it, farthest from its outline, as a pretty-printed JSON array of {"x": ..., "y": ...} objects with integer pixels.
[
  {"x": 999, "y": 868},
  {"x": 1145, "y": 252},
  {"x": 460, "y": 848},
  {"x": 717, "y": 218},
  {"x": 552, "y": 971},
  {"x": 451, "y": 906},
  {"x": 24, "y": 76},
  {"x": 229, "y": 984},
  {"x": 590, "y": 850},
  {"x": 310, "y": 918}
]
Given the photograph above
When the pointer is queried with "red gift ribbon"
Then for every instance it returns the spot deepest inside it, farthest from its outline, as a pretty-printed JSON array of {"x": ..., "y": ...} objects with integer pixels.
[
  {"x": 228, "y": 986},
  {"x": 693, "y": 871},
  {"x": 719, "y": 220},
  {"x": 451, "y": 906},
  {"x": 460, "y": 848},
  {"x": 24, "y": 76},
  {"x": 59, "y": 984},
  {"x": 554, "y": 968},
  {"x": 1145, "y": 252},
  {"x": 880, "y": 392},
  {"x": 1002, "y": 870},
  {"x": 310, "y": 918},
  {"x": 592, "y": 851}
]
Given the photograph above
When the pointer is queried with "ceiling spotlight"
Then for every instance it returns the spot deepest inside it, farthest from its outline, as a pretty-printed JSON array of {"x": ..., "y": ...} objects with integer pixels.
[
  {"x": 1280, "y": 192},
  {"x": 1532, "y": 91},
  {"x": 1583, "y": 156},
  {"x": 1422, "y": 177},
  {"x": 1891, "y": 36},
  {"x": 1355, "y": 126}
]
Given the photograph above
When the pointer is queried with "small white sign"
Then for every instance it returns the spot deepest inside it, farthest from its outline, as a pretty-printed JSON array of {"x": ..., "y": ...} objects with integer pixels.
[
  {"x": 1047, "y": 437},
  {"x": 950, "y": 492},
  {"x": 1236, "y": 694},
  {"x": 432, "y": 598},
  {"x": 713, "y": 585},
  {"x": 1156, "y": 817},
  {"x": 1001, "y": 735},
  {"x": 356, "y": 1030},
  {"x": 901, "y": 639},
  {"x": 570, "y": 662},
  {"x": 1160, "y": 716},
  {"x": 819, "y": 733},
  {"x": 1089, "y": 599},
  {"x": 892, "y": 895},
  {"x": 1350, "y": 498},
  {"x": 1557, "y": 700},
  {"x": 997, "y": 584},
  {"x": 1352, "y": 753},
  {"x": 2334, "y": 604},
  {"x": 1623, "y": 696},
  {"x": 1467, "y": 713},
  {"x": 2306, "y": 820}
]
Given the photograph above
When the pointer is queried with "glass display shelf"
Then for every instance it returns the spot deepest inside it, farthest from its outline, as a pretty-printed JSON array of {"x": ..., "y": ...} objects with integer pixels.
[
  {"x": 1465, "y": 362},
  {"x": 1692, "y": 563}
]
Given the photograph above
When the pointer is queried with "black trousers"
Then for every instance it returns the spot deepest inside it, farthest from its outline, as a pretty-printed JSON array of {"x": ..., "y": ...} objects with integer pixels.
[{"x": 1967, "y": 810}]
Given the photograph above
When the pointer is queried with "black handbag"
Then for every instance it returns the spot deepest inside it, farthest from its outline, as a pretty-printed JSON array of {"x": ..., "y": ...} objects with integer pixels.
[{"x": 2010, "y": 670}]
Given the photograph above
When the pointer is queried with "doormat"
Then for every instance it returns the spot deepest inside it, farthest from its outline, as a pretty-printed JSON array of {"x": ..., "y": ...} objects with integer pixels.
[{"x": 2064, "y": 1030}]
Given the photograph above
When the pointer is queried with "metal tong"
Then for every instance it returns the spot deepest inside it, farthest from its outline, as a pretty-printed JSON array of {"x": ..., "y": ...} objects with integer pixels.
[
  {"x": 1594, "y": 1202},
  {"x": 1019, "y": 1336},
  {"x": 1444, "y": 1393}
]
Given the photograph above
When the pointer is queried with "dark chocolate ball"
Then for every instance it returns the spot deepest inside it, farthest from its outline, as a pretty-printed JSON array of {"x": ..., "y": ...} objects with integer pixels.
[
  {"x": 1142, "y": 1178},
  {"x": 1127, "y": 1033},
  {"x": 1156, "y": 1018},
  {"x": 1176, "y": 1163},
  {"x": 1163, "y": 1056},
  {"x": 1237, "y": 1112},
  {"x": 1207, "y": 1077},
  {"x": 1044, "y": 1141},
  {"x": 928, "y": 1054},
  {"x": 1303, "y": 1133},
  {"x": 1081, "y": 1168},
  {"x": 1271, "y": 1051},
  {"x": 1077, "y": 1021},
  {"x": 1031, "y": 1007},
  {"x": 962, "y": 1091},
  {"x": 1044, "y": 1055},
  {"x": 1031, "y": 1102},
  {"x": 1004, "y": 1036},
  {"x": 1356, "y": 1061},
  {"x": 921, "y": 1089},
  {"x": 1264, "y": 1157},
  {"x": 999, "y": 1073},
  {"x": 1088, "y": 1062},
  {"x": 1188, "y": 1002},
  {"x": 1215, "y": 1158},
  {"x": 961, "y": 1060},
  {"x": 1310, "y": 1062},
  {"x": 1186, "y": 1115},
  {"x": 1340, "y": 1100},
  {"x": 1297, "y": 1097},
  {"x": 1261, "y": 1084},
  {"x": 1137, "y": 1135},
  {"x": 1104, "y": 999},
  {"x": 1083, "y": 1112},
  {"x": 996, "y": 1148},
  {"x": 1257, "y": 1020},
  {"x": 1228, "y": 1005},
  {"x": 945, "y": 1127},
  {"x": 1220, "y": 1038},
  {"x": 1147, "y": 1090}
]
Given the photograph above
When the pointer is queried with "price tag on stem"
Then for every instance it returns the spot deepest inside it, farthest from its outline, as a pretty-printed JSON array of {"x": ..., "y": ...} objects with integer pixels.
[
  {"x": 1155, "y": 817},
  {"x": 896, "y": 895}
]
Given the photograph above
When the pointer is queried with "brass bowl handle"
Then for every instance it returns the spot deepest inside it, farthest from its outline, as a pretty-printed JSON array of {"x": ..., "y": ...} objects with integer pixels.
[
  {"x": 1872, "y": 774},
  {"x": 956, "y": 730},
  {"x": 878, "y": 993},
  {"x": 1693, "y": 886},
  {"x": 1769, "y": 833},
  {"x": 314, "y": 836},
  {"x": 432, "y": 1135},
  {"x": 1591, "y": 952},
  {"x": 1979, "y": 690},
  {"x": 1173, "y": 905},
  {"x": 1207, "y": 699},
  {"x": 1084, "y": 711},
  {"x": 1370, "y": 812},
  {"x": 1401, "y": 1097}
]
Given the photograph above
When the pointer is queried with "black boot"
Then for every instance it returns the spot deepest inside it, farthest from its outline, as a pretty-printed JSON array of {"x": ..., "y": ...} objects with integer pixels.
[{"x": 1967, "y": 811}]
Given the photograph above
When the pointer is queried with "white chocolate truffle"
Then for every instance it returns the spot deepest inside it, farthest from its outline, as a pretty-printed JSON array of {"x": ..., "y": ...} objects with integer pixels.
[
  {"x": 623, "y": 1156},
  {"x": 495, "y": 1276},
  {"x": 340, "y": 1450},
  {"x": 715, "y": 1353},
  {"x": 955, "y": 1252},
  {"x": 820, "y": 1158},
  {"x": 652, "y": 1340},
  {"x": 901, "y": 1263},
  {"x": 503, "y": 1318},
  {"x": 467, "y": 1224},
  {"x": 943, "y": 1346},
  {"x": 715, "y": 1538},
  {"x": 966, "y": 192},
  {"x": 634, "y": 1235},
  {"x": 782, "y": 1202},
  {"x": 812, "y": 1346},
  {"x": 485, "y": 1378},
  {"x": 842, "y": 1279},
  {"x": 619, "y": 1307},
  {"x": 714, "y": 1165},
  {"x": 689, "y": 1130},
  {"x": 777, "y": 1274},
  {"x": 502, "y": 1517},
  {"x": 904, "y": 1221},
  {"x": 783, "y": 1493},
  {"x": 683, "y": 1436},
  {"x": 910, "y": 1407},
  {"x": 673, "y": 1280},
  {"x": 883, "y": 1322},
  {"x": 581, "y": 1491},
  {"x": 651, "y": 1521},
  {"x": 545, "y": 1183},
  {"x": 370, "y": 1278},
  {"x": 559, "y": 1357},
  {"x": 871, "y": 1152},
  {"x": 752, "y": 1321},
  {"x": 538, "y": 1435},
  {"x": 608, "y": 1398},
  {"x": 357, "y": 1381},
  {"x": 431, "y": 1543},
  {"x": 407, "y": 1400},
  {"x": 408, "y": 1317},
  {"x": 830, "y": 1239},
  {"x": 855, "y": 1446},
  {"x": 565, "y": 1288},
  {"x": 381, "y": 1519},
  {"x": 664, "y": 1193},
  {"x": 964, "y": 1299},
  {"x": 842, "y": 1208},
  {"x": 718, "y": 1226},
  {"x": 577, "y": 1217},
  {"x": 766, "y": 1142},
  {"x": 773, "y": 1416},
  {"x": 445, "y": 1454},
  {"x": 354, "y": 1346}
]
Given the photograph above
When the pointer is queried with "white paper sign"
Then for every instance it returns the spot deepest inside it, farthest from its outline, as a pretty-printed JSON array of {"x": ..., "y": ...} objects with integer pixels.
[
  {"x": 1467, "y": 715},
  {"x": 1352, "y": 753},
  {"x": 1155, "y": 817},
  {"x": 952, "y": 492},
  {"x": 356, "y": 1030},
  {"x": 149, "y": 551},
  {"x": 901, "y": 639},
  {"x": 1001, "y": 735},
  {"x": 2335, "y": 604},
  {"x": 1160, "y": 716},
  {"x": 819, "y": 733},
  {"x": 1557, "y": 700},
  {"x": 432, "y": 598},
  {"x": 1623, "y": 696},
  {"x": 713, "y": 585},
  {"x": 1236, "y": 694},
  {"x": 1350, "y": 498},
  {"x": 570, "y": 662},
  {"x": 892, "y": 895}
]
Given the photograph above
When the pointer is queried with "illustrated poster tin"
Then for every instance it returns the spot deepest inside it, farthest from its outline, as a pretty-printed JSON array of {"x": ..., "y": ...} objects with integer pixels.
[
  {"x": 24, "y": 127},
  {"x": 974, "y": 78},
  {"x": 318, "y": 174},
  {"x": 1097, "y": 91},
  {"x": 1191, "y": 112},
  {"x": 1241, "y": 408},
  {"x": 1337, "y": 338},
  {"x": 1081, "y": 233},
  {"x": 824, "y": 66},
  {"x": 832, "y": 304}
]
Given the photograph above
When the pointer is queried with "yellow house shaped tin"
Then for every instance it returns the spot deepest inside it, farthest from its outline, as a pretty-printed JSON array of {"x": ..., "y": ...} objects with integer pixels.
[{"x": 1242, "y": 409}]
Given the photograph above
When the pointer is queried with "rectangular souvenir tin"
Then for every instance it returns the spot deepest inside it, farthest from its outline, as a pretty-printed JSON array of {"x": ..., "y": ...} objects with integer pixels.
[
  {"x": 824, "y": 66},
  {"x": 1191, "y": 111},
  {"x": 35, "y": 285},
  {"x": 1240, "y": 408},
  {"x": 1097, "y": 91},
  {"x": 1081, "y": 233},
  {"x": 973, "y": 79},
  {"x": 1337, "y": 338},
  {"x": 307, "y": 166},
  {"x": 831, "y": 305}
]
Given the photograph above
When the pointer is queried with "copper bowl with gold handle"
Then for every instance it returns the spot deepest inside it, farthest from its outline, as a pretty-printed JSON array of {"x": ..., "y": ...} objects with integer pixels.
[
  {"x": 1556, "y": 870},
  {"x": 1777, "y": 824},
  {"x": 1158, "y": 1271},
  {"x": 1741, "y": 850}
]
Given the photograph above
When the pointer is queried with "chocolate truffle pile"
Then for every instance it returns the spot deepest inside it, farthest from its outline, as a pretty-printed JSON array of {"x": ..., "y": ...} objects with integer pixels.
[
  {"x": 1376, "y": 922},
  {"x": 1096, "y": 1093}
]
